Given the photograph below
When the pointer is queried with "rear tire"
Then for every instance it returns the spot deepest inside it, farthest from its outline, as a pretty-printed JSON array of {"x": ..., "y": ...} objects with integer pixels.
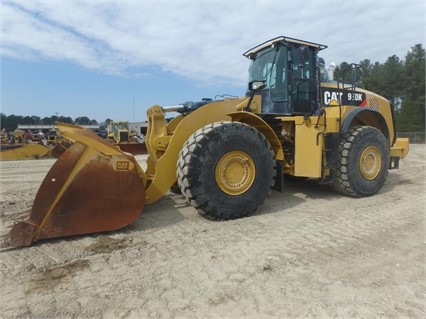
[
  {"x": 226, "y": 170},
  {"x": 363, "y": 162}
]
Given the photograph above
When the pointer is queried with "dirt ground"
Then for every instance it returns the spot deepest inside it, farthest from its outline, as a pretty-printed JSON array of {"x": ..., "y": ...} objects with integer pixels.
[{"x": 307, "y": 253}]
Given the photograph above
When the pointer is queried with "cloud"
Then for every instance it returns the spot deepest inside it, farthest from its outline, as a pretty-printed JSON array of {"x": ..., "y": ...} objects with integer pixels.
[{"x": 202, "y": 41}]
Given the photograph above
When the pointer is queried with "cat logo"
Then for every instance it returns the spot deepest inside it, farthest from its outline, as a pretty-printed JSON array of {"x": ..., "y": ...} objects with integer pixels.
[
  {"x": 332, "y": 96},
  {"x": 122, "y": 165},
  {"x": 336, "y": 97}
]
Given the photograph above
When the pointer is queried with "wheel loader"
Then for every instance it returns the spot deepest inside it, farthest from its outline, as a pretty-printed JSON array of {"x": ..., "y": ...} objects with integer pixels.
[
  {"x": 120, "y": 135},
  {"x": 226, "y": 155}
]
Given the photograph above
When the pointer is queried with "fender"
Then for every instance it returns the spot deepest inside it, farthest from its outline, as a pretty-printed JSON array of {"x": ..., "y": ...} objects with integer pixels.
[
  {"x": 263, "y": 127},
  {"x": 164, "y": 146},
  {"x": 365, "y": 116}
]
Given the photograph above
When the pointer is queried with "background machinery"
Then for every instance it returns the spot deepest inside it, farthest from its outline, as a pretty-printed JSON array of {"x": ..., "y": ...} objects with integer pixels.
[
  {"x": 120, "y": 134},
  {"x": 15, "y": 146},
  {"x": 226, "y": 156}
]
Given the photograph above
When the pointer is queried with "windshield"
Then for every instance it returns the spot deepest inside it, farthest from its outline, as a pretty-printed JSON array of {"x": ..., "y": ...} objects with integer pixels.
[{"x": 270, "y": 65}]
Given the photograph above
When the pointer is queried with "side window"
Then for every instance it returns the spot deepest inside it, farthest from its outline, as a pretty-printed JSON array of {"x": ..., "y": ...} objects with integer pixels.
[
  {"x": 279, "y": 92},
  {"x": 269, "y": 74},
  {"x": 301, "y": 69}
]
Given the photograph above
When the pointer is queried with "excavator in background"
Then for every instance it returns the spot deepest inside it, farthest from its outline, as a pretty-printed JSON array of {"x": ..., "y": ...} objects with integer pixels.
[
  {"x": 226, "y": 156},
  {"x": 120, "y": 134}
]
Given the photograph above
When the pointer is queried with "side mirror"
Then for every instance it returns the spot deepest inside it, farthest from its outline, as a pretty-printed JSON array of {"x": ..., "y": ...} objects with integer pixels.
[{"x": 256, "y": 85}]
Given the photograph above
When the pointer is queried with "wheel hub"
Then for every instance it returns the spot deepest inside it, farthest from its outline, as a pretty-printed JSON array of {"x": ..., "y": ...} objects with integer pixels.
[
  {"x": 235, "y": 172},
  {"x": 370, "y": 163}
]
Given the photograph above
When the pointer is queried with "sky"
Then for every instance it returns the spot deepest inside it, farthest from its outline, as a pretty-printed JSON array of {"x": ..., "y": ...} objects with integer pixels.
[{"x": 115, "y": 59}]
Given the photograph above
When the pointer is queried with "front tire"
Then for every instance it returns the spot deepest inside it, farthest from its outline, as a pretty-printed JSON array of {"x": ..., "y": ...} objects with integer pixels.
[
  {"x": 363, "y": 162},
  {"x": 226, "y": 170}
]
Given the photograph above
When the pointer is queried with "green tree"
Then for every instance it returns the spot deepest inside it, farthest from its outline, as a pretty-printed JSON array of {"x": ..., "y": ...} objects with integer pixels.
[
  {"x": 384, "y": 79},
  {"x": 342, "y": 72},
  {"x": 82, "y": 120},
  {"x": 27, "y": 120},
  {"x": 3, "y": 118},
  {"x": 392, "y": 79},
  {"x": 36, "y": 120},
  {"x": 365, "y": 67},
  {"x": 65, "y": 119},
  {"x": 47, "y": 120},
  {"x": 411, "y": 115},
  {"x": 372, "y": 78}
]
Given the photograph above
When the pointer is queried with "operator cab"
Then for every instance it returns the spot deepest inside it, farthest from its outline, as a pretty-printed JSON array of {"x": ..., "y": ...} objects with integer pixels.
[{"x": 290, "y": 72}]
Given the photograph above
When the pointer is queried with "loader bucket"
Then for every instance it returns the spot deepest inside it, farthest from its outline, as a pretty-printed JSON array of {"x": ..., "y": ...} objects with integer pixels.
[
  {"x": 133, "y": 148},
  {"x": 23, "y": 151},
  {"x": 92, "y": 187}
]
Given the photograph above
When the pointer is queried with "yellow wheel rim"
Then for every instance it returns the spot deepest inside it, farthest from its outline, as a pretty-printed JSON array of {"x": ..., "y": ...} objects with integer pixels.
[
  {"x": 370, "y": 163},
  {"x": 235, "y": 173}
]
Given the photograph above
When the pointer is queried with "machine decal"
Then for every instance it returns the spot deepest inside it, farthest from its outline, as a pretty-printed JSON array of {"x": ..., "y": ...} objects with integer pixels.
[{"x": 343, "y": 97}]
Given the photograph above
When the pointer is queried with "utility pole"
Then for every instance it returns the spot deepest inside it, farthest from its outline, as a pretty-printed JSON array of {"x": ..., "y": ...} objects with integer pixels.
[{"x": 133, "y": 106}]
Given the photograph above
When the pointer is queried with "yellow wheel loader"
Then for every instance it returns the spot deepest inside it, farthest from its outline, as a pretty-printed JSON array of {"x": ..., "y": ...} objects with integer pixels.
[{"x": 225, "y": 156}]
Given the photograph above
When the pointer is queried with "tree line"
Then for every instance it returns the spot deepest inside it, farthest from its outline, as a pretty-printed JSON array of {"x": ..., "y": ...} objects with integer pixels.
[
  {"x": 10, "y": 123},
  {"x": 402, "y": 82}
]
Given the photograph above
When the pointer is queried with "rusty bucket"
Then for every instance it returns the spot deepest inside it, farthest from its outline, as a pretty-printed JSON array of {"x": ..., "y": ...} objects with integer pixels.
[{"x": 92, "y": 187}]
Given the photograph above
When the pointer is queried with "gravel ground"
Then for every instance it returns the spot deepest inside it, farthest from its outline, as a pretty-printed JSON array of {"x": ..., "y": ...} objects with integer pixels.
[{"x": 307, "y": 253}]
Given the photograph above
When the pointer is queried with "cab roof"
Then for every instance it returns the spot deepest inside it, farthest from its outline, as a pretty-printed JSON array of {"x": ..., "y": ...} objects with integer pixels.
[{"x": 268, "y": 43}]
